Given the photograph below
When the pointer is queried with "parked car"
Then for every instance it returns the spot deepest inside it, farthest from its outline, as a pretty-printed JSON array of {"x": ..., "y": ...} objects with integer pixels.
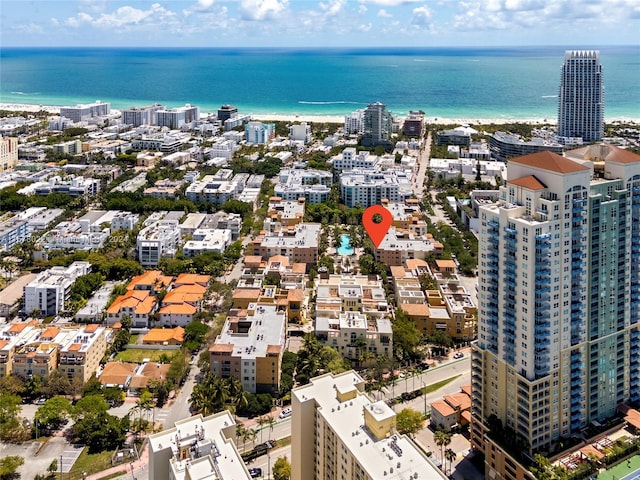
[
  {"x": 285, "y": 413},
  {"x": 41, "y": 401},
  {"x": 458, "y": 355},
  {"x": 255, "y": 472}
]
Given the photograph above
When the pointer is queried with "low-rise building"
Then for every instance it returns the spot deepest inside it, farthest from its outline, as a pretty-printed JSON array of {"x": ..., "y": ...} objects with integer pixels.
[
  {"x": 356, "y": 336},
  {"x": 50, "y": 290},
  {"x": 452, "y": 410},
  {"x": 39, "y": 354},
  {"x": 81, "y": 354},
  {"x": 398, "y": 246},
  {"x": 136, "y": 304},
  {"x": 367, "y": 187},
  {"x": 207, "y": 240},
  {"x": 300, "y": 133},
  {"x": 125, "y": 221},
  {"x": 250, "y": 348},
  {"x": 197, "y": 448},
  {"x": 297, "y": 242},
  {"x": 506, "y": 145},
  {"x": 80, "y": 235},
  {"x": 164, "y": 189},
  {"x": 13, "y": 232},
  {"x": 312, "y": 185},
  {"x": 351, "y": 159},
  {"x": 164, "y": 336},
  {"x": 158, "y": 240},
  {"x": 336, "y": 294},
  {"x": 283, "y": 213},
  {"x": 12, "y": 335},
  {"x": 336, "y": 427}
]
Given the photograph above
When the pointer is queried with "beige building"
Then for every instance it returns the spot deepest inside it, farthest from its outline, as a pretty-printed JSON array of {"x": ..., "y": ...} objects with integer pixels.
[
  {"x": 80, "y": 356},
  {"x": 400, "y": 245},
  {"x": 297, "y": 242},
  {"x": 250, "y": 347},
  {"x": 8, "y": 153},
  {"x": 10, "y": 336},
  {"x": 350, "y": 293},
  {"x": 197, "y": 448},
  {"x": 285, "y": 212},
  {"x": 355, "y": 335},
  {"x": 39, "y": 355},
  {"x": 338, "y": 432}
]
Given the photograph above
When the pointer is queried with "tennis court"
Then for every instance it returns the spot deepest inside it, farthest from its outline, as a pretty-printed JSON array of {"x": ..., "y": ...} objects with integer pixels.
[{"x": 626, "y": 470}]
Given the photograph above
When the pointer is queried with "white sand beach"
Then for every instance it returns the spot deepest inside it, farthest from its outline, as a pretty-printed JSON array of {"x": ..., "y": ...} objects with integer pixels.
[{"x": 25, "y": 107}]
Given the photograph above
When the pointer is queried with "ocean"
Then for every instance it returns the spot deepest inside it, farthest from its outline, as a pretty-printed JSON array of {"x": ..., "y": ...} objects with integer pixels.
[{"x": 472, "y": 83}]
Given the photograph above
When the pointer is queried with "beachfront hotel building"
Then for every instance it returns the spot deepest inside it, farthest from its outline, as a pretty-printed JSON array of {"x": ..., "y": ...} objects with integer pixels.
[
  {"x": 137, "y": 116},
  {"x": 8, "y": 153},
  {"x": 558, "y": 344},
  {"x": 178, "y": 117},
  {"x": 338, "y": 432},
  {"x": 197, "y": 448},
  {"x": 85, "y": 112},
  {"x": 377, "y": 125},
  {"x": 259, "y": 133},
  {"x": 581, "y": 98}
]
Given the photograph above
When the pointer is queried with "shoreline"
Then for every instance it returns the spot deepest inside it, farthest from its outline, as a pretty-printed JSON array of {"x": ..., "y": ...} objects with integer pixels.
[{"x": 55, "y": 110}]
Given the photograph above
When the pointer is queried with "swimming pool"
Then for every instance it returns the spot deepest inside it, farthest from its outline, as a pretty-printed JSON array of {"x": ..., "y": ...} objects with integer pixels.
[{"x": 345, "y": 248}]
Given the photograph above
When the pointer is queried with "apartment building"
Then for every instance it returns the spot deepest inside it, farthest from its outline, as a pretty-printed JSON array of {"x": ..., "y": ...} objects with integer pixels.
[
  {"x": 13, "y": 232},
  {"x": 75, "y": 187},
  {"x": 398, "y": 246},
  {"x": 283, "y": 213},
  {"x": 197, "y": 448},
  {"x": 183, "y": 300},
  {"x": 250, "y": 348},
  {"x": 337, "y": 431},
  {"x": 207, "y": 240},
  {"x": 407, "y": 215},
  {"x": 354, "y": 123},
  {"x": 299, "y": 243},
  {"x": 356, "y": 336},
  {"x": 125, "y": 221},
  {"x": 351, "y": 159},
  {"x": 378, "y": 125},
  {"x": 137, "y": 116},
  {"x": 336, "y": 294},
  {"x": 87, "y": 111},
  {"x": 213, "y": 189},
  {"x": 80, "y": 235},
  {"x": 12, "y": 335},
  {"x": 366, "y": 187},
  {"x": 138, "y": 305},
  {"x": 39, "y": 354},
  {"x": 581, "y": 96},
  {"x": 259, "y": 133},
  {"x": 50, "y": 290},
  {"x": 300, "y": 133},
  {"x": 504, "y": 146},
  {"x": 8, "y": 153},
  {"x": 176, "y": 118},
  {"x": 312, "y": 185},
  {"x": 80, "y": 356},
  {"x": 158, "y": 240},
  {"x": 559, "y": 302}
]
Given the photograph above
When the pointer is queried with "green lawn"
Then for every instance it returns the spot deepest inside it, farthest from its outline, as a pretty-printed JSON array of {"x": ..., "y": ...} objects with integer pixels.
[
  {"x": 435, "y": 386},
  {"x": 90, "y": 463},
  {"x": 133, "y": 339},
  {"x": 135, "y": 355},
  {"x": 622, "y": 469}
]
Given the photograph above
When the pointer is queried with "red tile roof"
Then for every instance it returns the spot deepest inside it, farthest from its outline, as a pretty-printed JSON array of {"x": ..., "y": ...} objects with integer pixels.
[
  {"x": 530, "y": 182},
  {"x": 547, "y": 160}
]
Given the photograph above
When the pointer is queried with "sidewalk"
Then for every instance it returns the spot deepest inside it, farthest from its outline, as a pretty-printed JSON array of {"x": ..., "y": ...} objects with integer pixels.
[{"x": 125, "y": 468}]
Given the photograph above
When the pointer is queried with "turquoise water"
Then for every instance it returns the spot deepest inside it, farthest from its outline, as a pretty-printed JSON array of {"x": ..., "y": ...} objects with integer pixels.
[
  {"x": 469, "y": 83},
  {"x": 344, "y": 248}
]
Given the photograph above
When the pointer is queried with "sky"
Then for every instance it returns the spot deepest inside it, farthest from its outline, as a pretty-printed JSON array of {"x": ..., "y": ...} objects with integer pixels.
[{"x": 312, "y": 23}]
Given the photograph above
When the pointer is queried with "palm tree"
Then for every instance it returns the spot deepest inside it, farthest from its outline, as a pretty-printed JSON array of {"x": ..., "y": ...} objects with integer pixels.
[
  {"x": 262, "y": 421},
  {"x": 450, "y": 455},
  {"x": 442, "y": 439},
  {"x": 270, "y": 422}
]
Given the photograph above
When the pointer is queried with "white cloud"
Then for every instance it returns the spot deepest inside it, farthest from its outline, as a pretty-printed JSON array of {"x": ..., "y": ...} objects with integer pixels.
[
  {"x": 421, "y": 16},
  {"x": 333, "y": 7},
  {"x": 125, "y": 16},
  {"x": 29, "y": 28},
  {"x": 365, "y": 27},
  {"x": 54, "y": 21},
  {"x": 362, "y": 9},
  {"x": 382, "y": 13},
  {"x": 390, "y": 3},
  {"x": 262, "y": 9}
]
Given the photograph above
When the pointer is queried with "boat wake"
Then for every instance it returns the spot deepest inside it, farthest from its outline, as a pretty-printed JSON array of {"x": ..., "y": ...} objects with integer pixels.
[
  {"x": 549, "y": 96},
  {"x": 26, "y": 93}
]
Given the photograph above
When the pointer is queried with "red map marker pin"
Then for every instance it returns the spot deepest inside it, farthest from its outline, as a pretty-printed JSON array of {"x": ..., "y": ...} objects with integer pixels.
[{"x": 377, "y": 231}]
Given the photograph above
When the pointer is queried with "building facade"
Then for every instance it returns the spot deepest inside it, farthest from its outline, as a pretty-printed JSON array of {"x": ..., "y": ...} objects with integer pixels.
[
  {"x": 8, "y": 153},
  {"x": 558, "y": 303},
  {"x": 84, "y": 112},
  {"x": 581, "y": 98},
  {"x": 137, "y": 116},
  {"x": 377, "y": 125},
  {"x": 338, "y": 432}
]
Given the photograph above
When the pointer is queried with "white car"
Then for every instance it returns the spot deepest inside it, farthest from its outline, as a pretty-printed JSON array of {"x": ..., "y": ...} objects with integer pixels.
[
  {"x": 458, "y": 355},
  {"x": 285, "y": 413}
]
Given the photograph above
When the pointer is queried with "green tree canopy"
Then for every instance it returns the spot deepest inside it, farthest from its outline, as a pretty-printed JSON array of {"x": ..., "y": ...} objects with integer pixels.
[
  {"x": 53, "y": 413},
  {"x": 409, "y": 421},
  {"x": 281, "y": 469},
  {"x": 9, "y": 466}
]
